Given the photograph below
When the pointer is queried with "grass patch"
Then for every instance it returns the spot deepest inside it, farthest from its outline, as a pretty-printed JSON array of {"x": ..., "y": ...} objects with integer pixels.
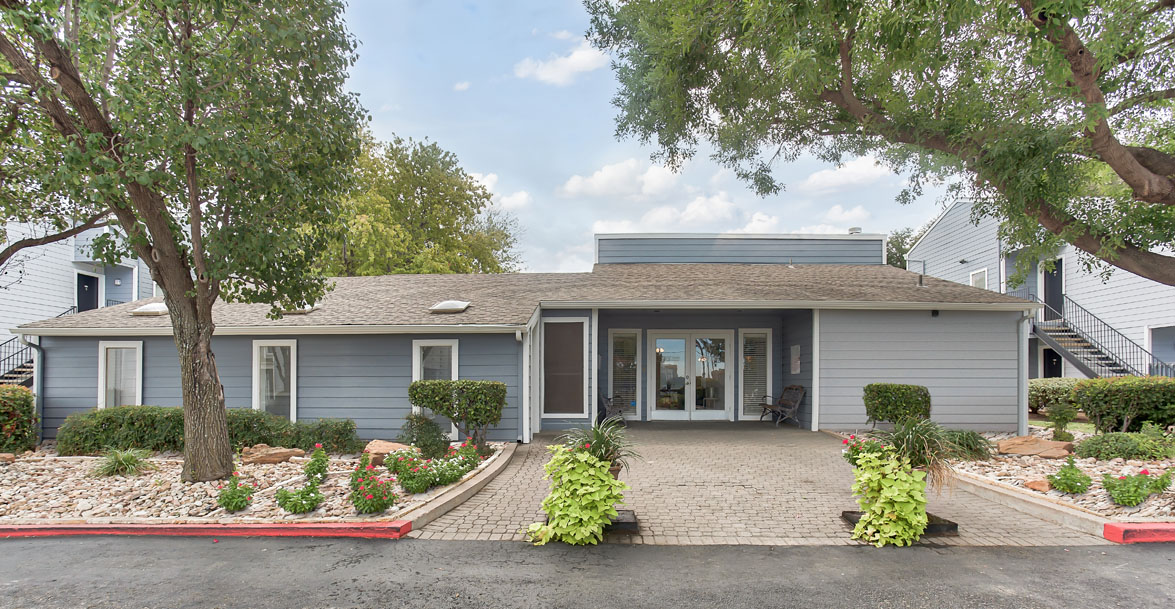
[
  {"x": 1074, "y": 426},
  {"x": 130, "y": 462}
]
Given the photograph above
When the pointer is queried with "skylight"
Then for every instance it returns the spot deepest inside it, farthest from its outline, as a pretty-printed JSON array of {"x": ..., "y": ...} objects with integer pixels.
[
  {"x": 449, "y": 306},
  {"x": 151, "y": 309}
]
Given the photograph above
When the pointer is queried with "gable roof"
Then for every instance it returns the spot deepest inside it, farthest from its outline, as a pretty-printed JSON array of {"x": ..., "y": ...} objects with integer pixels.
[
  {"x": 946, "y": 210},
  {"x": 506, "y": 302}
]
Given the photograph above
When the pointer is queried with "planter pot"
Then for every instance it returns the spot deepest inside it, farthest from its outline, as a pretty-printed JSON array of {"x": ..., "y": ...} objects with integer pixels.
[
  {"x": 935, "y": 526},
  {"x": 615, "y": 471}
]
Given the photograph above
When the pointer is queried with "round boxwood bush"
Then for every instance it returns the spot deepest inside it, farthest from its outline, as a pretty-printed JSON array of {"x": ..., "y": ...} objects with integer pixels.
[
  {"x": 1119, "y": 445},
  {"x": 18, "y": 419},
  {"x": 895, "y": 402}
]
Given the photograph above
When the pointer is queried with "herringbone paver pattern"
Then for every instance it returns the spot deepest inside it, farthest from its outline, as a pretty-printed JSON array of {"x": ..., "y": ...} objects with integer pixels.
[{"x": 733, "y": 483}]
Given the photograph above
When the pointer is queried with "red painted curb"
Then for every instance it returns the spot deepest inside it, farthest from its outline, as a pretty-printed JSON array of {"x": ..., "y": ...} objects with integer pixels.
[
  {"x": 1140, "y": 532},
  {"x": 371, "y": 530}
]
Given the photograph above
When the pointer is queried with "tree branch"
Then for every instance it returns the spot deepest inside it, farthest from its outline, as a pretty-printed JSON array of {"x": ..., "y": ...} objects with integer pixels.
[
  {"x": 1142, "y": 98},
  {"x": 1146, "y": 185},
  {"x": 94, "y": 221}
]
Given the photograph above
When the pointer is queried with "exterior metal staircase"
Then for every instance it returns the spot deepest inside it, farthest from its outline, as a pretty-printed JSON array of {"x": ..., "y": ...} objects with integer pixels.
[
  {"x": 16, "y": 359},
  {"x": 1090, "y": 344}
]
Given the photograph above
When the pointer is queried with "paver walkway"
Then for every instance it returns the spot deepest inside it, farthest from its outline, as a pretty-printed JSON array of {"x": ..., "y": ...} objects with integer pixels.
[{"x": 733, "y": 483}]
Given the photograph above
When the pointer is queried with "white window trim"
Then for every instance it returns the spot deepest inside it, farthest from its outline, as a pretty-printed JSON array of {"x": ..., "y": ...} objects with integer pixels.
[
  {"x": 639, "y": 367},
  {"x": 587, "y": 406},
  {"x": 971, "y": 278},
  {"x": 417, "y": 364},
  {"x": 742, "y": 332},
  {"x": 651, "y": 336},
  {"x": 101, "y": 288},
  {"x": 293, "y": 345},
  {"x": 103, "y": 345}
]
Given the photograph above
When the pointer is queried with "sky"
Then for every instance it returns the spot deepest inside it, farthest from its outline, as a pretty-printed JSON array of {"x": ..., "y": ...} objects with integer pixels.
[{"x": 516, "y": 92}]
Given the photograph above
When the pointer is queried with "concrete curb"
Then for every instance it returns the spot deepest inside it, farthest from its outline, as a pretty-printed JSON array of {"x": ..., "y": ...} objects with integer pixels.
[
  {"x": 1040, "y": 507},
  {"x": 370, "y": 530},
  {"x": 1140, "y": 532},
  {"x": 454, "y": 496}
]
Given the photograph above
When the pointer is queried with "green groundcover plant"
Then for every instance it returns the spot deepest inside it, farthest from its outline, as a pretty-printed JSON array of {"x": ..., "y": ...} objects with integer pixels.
[
  {"x": 129, "y": 462},
  {"x": 1119, "y": 445},
  {"x": 419, "y": 475},
  {"x": 301, "y": 501},
  {"x": 235, "y": 496},
  {"x": 1133, "y": 490},
  {"x": 582, "y": 500},
  {"x": 1070, "y": 479},
  {"x": 892, "y": 496},
  {"x": 374, "y": 495}
]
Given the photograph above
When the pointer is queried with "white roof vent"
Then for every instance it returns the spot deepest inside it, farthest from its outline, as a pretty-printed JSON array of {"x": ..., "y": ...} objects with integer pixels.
[
  {"x": 855, "y": 230},
  {"x": 153, "y": 309},
  {"x": 449, "y": 306}
]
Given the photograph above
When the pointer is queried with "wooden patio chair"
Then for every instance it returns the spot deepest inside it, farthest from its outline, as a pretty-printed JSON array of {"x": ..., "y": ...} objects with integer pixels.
[
  {"x": 612, "y": 409},
  {"x": 787, "y": 406}
]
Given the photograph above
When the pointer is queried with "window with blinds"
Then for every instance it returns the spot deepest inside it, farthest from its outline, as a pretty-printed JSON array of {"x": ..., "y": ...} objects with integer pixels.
[
  {"x": 122, "y": 376},
  {"x": 625, "y": 370},
  {"x": 756, "y": 371}
]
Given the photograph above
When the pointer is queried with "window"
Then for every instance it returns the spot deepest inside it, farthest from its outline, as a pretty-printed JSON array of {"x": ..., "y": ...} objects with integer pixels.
[
  {"x": 624, "y": 369},
  {"x": 434, "y": 360},
  {"x": 755, "y": 348},
  {"x": 120, "y": 373},
  {"x": 979, "y": 279},
  {"x": 275, "y": 377},
  {"x": 565, "y": 368}
]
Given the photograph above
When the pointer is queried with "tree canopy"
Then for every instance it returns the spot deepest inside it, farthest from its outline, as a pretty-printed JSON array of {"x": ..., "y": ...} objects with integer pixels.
[
  {"x": 898, "y": 244},
  {"x": 413, "y": 209},
  {"x": 1054, "y": 115},
  {"x": 218, "y": 134}
]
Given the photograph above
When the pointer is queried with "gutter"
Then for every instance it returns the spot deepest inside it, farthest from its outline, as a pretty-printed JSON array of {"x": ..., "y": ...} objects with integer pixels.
[
  {"x": 791, "y": 304},
  {"x": 278, "y": 330},
  {"x": 38, "y": 385}
]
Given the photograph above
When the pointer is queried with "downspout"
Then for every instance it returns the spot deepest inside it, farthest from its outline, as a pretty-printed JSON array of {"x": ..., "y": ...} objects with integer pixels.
[
  {"x": 1022, "y": 329},
  {"x": 38, "y": 383}
]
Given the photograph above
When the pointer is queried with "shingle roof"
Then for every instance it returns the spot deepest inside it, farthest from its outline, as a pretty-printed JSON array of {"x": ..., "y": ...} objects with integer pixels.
[{"x": 511, "y": 299}]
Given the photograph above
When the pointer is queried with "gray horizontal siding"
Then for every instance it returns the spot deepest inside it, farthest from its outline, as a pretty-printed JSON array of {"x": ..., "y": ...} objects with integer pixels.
[
  {"x": 956, "y": 237},
  {"x": 364, "y": 377},
  {"x": 968, "y": 361},
  {"x": 782, "y": 250}
]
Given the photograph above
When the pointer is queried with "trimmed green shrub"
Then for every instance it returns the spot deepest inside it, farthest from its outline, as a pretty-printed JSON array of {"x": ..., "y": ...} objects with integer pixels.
[
  {"x": 1070, "y": 479},
  {"x": 473, "y": 406},
  {"x": 424, "y": 433},
  {"x": 1043, "y": 393},
  {"x": 1120, "y": 445},
  {"x": 582, "y": 500},
  {"x": 1062, "y": 414},
  {"x": 159, "y": 428},
  {"x": 894, "y": 402},
  {"x": 1123, "y": 403},
  {"x": 18, "y": 419},
  {"x": 892, "y": 496},
  {"x": 130, "y": 462},
  {"x": 1133, "y": 490}
]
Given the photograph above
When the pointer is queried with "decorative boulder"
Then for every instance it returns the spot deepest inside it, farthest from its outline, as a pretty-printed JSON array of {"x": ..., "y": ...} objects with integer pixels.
[
  {"x": 1034, "y": 446},
  {"x": 1039, "y": 485},
  {"x": 7, "y": 457},
  {"x": 264, "y": 453},
  {"x": 378, "y": 449}
]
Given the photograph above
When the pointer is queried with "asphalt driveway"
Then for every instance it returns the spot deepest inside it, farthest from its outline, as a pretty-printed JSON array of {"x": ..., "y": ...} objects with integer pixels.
[{"x": 165, "y": 573}]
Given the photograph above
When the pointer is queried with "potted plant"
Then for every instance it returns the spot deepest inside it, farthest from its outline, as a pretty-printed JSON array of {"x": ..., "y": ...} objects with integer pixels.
[{"x": 607, "y": 441}]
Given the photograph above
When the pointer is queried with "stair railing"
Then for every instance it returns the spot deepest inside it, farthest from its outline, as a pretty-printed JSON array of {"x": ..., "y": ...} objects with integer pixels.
[
  {"x": 14, "y": 353},
  {"x": 1103, "y": 337}
]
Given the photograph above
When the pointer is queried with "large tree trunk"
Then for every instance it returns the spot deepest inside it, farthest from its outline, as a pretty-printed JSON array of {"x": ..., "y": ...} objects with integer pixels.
[{"x": 208, "y": 455}]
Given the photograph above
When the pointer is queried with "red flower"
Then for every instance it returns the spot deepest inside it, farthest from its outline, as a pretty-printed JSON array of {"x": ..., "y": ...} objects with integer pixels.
[
  {"x": 317, "y": 446},
  {"x": 361, "y": 488},
  {"x": 587, "y": 444},
  {"x": 370, "y": 467},
  {"x": 844, "y": 441},
  {"x": 370, "y": 496},
  {"x": 221, "y": 486},
  {"x": 463, "y": 444},
  {"x": 236, "y": 474},
  {"x": 1121, "y": 477},
  {"x": 1145, "y": 472},
  {"x": 249, "y": 498}
]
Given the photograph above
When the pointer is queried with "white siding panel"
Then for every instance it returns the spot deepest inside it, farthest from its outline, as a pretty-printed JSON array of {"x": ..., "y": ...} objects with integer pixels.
[
  {"x": 954, "y": 238},
  {"x": 968, "y": 361},
  {"x": 46, "y": 288}
]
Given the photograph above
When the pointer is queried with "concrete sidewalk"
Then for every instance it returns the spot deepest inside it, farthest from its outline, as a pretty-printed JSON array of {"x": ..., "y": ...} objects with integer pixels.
[{"x": 734, "y": 483}]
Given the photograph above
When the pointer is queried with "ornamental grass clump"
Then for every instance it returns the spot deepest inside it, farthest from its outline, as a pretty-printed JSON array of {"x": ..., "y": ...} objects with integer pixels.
[
  {"x": 925, "y": 445},
  {"x": 1133, "y": 490},
  {"x": 1070, "y": 479},
  {"x": 235, "y": 496},
  {"x": 582, "y": 501},
  {"x": 131, "y": 462},
  {"x": 607, "y": 441},
  {"x": 892, "y": 496}
]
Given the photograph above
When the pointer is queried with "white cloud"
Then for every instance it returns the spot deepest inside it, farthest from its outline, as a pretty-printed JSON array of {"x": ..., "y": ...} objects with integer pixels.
[
  {"x": 562, "y": 35},
  {"x": 820, "y": 229},
  {"x": 462, "y": 86},
  {"x": 701, "y": 215},
  {"x": 857, "y": 172},
  {"x": 839, "y": 215},
  {"x": 508, "y": 202},
  {"x": 513, "y": 201},
  {"x": 708, "y": 210},
  {"x": 561, "y": 70},
  {"x": 760, "y": 223},
  {"x": 625, "y": 178}
]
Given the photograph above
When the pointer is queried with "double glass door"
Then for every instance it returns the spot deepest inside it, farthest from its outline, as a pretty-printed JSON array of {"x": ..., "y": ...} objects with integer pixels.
[{"x": 690, "y": 376}]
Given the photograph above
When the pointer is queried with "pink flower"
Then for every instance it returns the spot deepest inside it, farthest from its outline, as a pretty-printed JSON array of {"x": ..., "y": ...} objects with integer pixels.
[
  {"x": 221, "y": 486},
  {"x": 1121, "y": 477},
  {"x": 370, "y": 467},
  {"x": 844, "y": 441},
  {"x": 1145, "y": 472},
  {"x": 361, "y": 488},
  {"x": 587, "y": 444},
  {"x": 317, "y": 446},
  {"x": 236, "y": 473},
  {"x": 249, "y": 498},
  {"x": 852, "y": 437},
  {"x": 370, "y": 496}
]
